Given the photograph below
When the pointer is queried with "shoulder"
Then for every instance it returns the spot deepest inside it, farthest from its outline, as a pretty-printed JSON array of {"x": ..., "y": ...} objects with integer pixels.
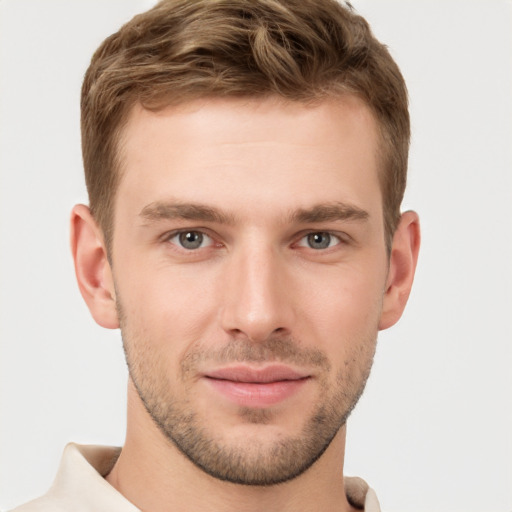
[
  {"x": 45, "y": 503},
  {"x": 80, "y": 485},
  {"x": 360, "y": 495}
]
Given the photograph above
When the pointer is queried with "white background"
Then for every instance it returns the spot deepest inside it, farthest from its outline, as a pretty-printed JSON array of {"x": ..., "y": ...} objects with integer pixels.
[{"x": 433, "y": 431}]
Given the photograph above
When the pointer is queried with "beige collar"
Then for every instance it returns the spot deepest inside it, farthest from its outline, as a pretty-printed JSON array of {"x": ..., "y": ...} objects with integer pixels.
[{"x": 80, "y": 485}]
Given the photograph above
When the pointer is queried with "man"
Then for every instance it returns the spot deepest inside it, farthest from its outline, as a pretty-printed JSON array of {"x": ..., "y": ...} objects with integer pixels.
[{"x": 245, "y": 163}]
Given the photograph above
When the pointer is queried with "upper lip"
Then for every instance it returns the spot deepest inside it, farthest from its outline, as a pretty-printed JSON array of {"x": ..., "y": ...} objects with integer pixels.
[{"x": 267, "y": 374}]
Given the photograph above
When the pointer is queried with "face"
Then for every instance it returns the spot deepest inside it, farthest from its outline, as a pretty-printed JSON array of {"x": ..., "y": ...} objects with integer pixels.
[{"x": 249, "y": 266}]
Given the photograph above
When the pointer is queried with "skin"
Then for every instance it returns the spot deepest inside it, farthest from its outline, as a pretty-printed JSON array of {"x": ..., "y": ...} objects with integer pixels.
[{"x": 258, "y": 180}]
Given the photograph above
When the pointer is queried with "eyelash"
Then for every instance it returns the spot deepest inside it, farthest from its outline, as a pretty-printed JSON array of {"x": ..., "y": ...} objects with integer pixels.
[
  {"x": 328, "y": 234},
  {"x": 184, "y": 232},
  {"x": 303, "y": 241}
]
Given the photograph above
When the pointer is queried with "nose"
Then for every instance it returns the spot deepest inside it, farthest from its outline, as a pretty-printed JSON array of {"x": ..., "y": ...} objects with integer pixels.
[{"x": 257, "y": 295}]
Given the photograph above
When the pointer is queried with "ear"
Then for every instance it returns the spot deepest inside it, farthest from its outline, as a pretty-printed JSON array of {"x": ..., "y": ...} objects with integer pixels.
[
  {"x": 92, "y": 267},
  {"x": 402, "y": 265}
]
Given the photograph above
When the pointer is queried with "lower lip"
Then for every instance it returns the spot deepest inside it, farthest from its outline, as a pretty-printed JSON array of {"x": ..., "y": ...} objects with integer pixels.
[{"x": 248, "y": 394}]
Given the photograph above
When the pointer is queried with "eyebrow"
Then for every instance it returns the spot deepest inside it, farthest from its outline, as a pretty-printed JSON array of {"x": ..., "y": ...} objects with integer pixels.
[
  {"x": 328, "y": 213},
  {"x": 195, "y": 211},
  {"x": 188, "y": 211}
]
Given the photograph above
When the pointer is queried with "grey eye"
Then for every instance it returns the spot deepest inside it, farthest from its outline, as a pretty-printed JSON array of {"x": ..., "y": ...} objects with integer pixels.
[
  {"x": 319, "y": 240},
  {"x": 191, "y": 239}
]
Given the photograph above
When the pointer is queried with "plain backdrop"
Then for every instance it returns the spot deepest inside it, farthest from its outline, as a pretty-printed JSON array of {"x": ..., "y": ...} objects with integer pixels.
[{"x": 433, "y": 430}]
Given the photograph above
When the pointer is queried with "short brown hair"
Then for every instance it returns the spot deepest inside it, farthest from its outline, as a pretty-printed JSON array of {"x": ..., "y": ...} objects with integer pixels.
[{"x": 180, "y": 50}]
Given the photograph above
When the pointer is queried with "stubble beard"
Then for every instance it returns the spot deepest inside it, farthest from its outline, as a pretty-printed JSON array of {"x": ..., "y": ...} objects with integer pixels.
[{"x": 248, "y": 462}]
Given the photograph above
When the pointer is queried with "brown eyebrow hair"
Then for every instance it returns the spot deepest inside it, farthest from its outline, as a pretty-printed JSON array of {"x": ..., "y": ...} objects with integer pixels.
[
  {"x": 329, "y": 212},
  {"x": 189, "y": 211},
  {"x": 194, "y": 211}
]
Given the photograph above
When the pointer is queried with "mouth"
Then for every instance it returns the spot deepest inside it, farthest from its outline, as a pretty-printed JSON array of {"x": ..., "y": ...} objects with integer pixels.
[{"x": 256, "y": 387}]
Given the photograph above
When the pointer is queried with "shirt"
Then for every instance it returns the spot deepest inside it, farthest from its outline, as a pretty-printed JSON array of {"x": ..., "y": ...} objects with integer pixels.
[{"x": 80, "y": 485}]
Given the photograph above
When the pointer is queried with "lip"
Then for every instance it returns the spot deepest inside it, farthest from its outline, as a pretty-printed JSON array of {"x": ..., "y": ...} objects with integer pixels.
[{"x": 256, "y": 387}]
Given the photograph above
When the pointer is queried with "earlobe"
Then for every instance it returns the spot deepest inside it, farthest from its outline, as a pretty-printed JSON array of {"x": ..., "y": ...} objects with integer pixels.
[
  {"x": 402, "y": 265},
  {"x": 92, "y": 268}
]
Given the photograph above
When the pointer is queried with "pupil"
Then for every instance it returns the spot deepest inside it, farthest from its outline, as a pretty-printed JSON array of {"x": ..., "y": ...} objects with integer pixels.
[
  {"x": 191, "y": 239},
  {"x": 319, "y": 240}
]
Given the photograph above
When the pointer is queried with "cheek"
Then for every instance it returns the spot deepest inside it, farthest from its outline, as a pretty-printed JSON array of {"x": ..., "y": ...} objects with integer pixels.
[
  {"x": 168, "y": 307},
  {"x": 344, "y": 308}
]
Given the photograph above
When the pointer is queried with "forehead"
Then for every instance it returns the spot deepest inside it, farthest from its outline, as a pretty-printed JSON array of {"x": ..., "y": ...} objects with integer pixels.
[
  {"x": 247, "y": 115},
  {"x": 242, "y": 150}
]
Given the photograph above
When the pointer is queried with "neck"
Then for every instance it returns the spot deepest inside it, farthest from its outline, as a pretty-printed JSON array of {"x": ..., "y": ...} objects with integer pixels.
[{"x": 156, "y": 477}]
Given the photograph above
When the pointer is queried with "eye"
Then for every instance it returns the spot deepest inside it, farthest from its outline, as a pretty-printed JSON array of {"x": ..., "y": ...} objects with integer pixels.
[
  {"x": 191, "y": 240},
  {"x": 319, "y": 240}
]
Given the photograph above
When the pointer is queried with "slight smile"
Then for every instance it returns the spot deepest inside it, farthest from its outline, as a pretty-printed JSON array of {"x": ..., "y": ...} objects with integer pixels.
[{"x": 256, "y": 387}]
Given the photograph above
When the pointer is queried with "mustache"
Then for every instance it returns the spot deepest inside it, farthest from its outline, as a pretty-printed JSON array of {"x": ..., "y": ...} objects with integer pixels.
[{"x": 273, "y": 349}]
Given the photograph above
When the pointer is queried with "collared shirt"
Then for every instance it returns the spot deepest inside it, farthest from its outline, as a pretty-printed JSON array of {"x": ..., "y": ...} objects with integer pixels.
[{"x": 80, "y": 485}]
